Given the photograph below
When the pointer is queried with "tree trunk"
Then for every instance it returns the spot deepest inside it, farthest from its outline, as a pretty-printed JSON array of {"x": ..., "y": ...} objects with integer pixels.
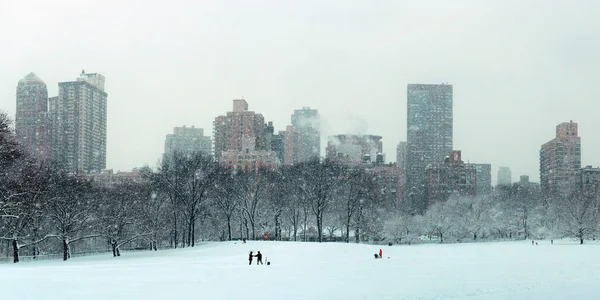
[
  {"x": 247, "y": 228},
  {"x": 189, "y": 233},
  {"x": 348, "y": 232},
  {"x": 305, "y": 224},
  {"x": 241, "y": 229},
  {"x": 320, "y": 228},
  {"x": 175, "y": 240},
  {"x": 113, "y": 245},
  {"x": 474, "y": 236},
  {"x": 154, "y": 241},
  {"x": 358, "y": 221},
  {"x": 118, "y": 252},
  {"x": 193, "y": 235},
  {"x": 65, "y": 249},
  {"x": 277, "y": 237},
  {"x": 295, "y": 233},
  {"x": 15, "y": 251},
  {"x": 229, "y": 227}
]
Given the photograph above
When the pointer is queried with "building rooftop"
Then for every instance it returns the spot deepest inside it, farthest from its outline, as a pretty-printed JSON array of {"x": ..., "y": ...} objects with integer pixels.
[{"x": 31, "y": 78}]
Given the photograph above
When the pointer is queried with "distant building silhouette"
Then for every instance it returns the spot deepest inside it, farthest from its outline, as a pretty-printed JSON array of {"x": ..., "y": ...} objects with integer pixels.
[
  {"x": 589, "y": 181},
  {"x": 78, "y": 124},
  {"x": 504, "y": 176},
  {"x": 188, "y": 140},
  {"x": 31, "y": 121},
  {"x": 303, "y": 137},
  {"x": 451, "y": 177},
  {"x": 240, "y": 124},
  {"x": 560, "y": 161},
  {"x": 240, "y": 139},
  {"x": 484, "y": 178},
  {"x": 429, "y": 135}
]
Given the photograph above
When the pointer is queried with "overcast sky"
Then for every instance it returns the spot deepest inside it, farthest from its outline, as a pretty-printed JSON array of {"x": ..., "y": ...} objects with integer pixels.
[{"x": 518, "y": 68}]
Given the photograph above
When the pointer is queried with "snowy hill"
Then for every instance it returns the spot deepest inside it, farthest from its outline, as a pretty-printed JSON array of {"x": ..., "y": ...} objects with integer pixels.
[{"x": 510, "y": 270}]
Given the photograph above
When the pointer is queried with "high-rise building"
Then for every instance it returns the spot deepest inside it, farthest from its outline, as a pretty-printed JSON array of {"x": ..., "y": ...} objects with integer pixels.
[
  {"x": 291, "y": 140},
  {"x": 231, "y": 129},
  {"x": 560, "y": 161},
  {"x": 188, "y": 140},
  {"x": 78, "y": 124},
  {"x": 278, "y": 146},
  {"x": 504, "y": 176},
  {"x": 484, "y": 178},
  {"x": 589, "y": 181},
  {"x": 429, "y": 134},
  {"x": 401, "y": 150},
  {"x": 306, "y": 124},
  {"x": 269, "y": 134},
  {"x": 31, "y": 121},
  {"x": 451, "y": 177}
]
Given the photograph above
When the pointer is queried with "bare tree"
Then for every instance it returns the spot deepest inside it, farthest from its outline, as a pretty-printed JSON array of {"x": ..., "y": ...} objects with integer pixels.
[
  {"x": 353, "y": 189},
  {"x": 70, "y": 209},
  {"x": 170, "y": 181},
  {"x": 119, "y": 219},
  {"x": 201, "y": 173},
  {"x": 226, "y": 197},
  {"x": 252, "y": 186},
  {"x": 23, "y": 198},
  {"x": 317, "y": 183},
  {"x": 439, "y": 218},
  {"x": 579, "y": 215}
]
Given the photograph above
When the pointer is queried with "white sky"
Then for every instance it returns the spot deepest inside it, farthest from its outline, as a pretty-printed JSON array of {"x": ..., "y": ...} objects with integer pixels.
[{"x": 518, "y": 67}]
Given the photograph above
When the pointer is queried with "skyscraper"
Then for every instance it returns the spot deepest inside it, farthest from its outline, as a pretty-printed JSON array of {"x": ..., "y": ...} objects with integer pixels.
[
  {"x": 78, "y": 118},
  {"x": 401, "y": 156},
  {"x": 31, "y": 121},
  {"x": 429, "y": 134},
  {"x": 560, "y": 161},
  {"x": 189, "y": 140},
  {"x": 483, "y": 178},
  {"x": 306, "y": 125},
  {"x": 504, "y": 176},
  {"x": 236, "y": 126}
]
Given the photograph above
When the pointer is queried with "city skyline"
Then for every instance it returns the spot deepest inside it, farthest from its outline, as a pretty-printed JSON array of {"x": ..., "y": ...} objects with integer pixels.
[{"x": 509, "y": 92}]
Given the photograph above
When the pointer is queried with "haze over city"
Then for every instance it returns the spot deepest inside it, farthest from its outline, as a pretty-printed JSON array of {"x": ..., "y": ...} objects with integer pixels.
[{"x": 517, "y": 70}]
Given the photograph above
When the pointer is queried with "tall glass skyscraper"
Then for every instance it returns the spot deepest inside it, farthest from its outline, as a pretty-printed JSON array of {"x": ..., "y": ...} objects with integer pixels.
[
  {"x": 429, "y": 134},
  {"x": 31, "y": 122}
]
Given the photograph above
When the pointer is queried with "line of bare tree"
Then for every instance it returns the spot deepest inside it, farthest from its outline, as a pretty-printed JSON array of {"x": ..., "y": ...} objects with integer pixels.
[
  {"x": 514, "y": 212},
  {"x": 189, "y": 198}
]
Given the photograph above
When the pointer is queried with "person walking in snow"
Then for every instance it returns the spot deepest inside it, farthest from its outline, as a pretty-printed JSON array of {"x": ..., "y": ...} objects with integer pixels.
[
  {"x": 380, "y": 253},
  {"x": 250, "y": 258},
  {"x": 258, "y": 258}
]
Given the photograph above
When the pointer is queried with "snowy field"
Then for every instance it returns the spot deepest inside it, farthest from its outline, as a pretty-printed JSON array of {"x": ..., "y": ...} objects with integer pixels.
[{"x": 509, "y": 270}]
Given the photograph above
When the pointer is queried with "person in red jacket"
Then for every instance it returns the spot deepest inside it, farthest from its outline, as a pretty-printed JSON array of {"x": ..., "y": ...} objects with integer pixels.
[{"x": 380, "y": 253}]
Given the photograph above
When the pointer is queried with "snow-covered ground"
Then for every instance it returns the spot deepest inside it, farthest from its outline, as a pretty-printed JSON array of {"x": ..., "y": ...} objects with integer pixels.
[{"x": 508, "y": 270}]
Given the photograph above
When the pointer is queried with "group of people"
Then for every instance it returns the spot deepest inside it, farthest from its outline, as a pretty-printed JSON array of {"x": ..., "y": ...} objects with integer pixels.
[
  {"x": 379, "y": 255},
  {"x": 532, "y": 242},
  {"x": 258, "y": 258}
]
